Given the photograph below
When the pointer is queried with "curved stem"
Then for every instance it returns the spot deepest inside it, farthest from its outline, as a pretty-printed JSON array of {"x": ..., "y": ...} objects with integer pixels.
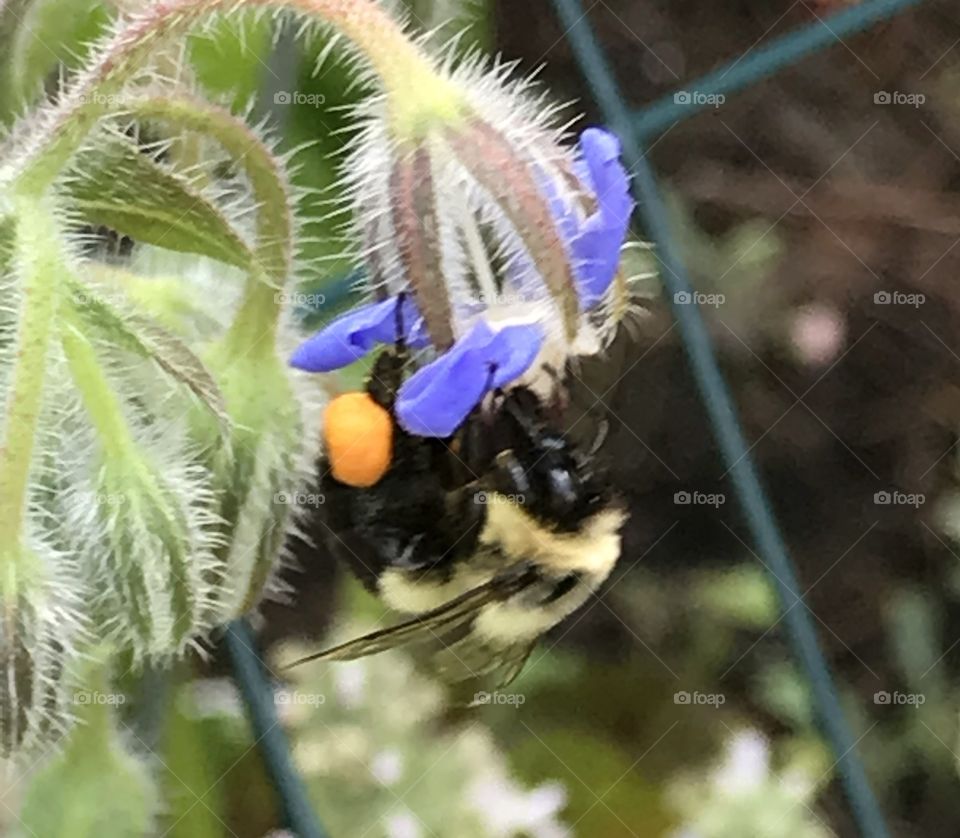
[
  {"x": 274, "y": 231},
  {"x": 260, "y": 310},
  {"x": 39, "y": 263},
  {"x": 415, "y": 91}
]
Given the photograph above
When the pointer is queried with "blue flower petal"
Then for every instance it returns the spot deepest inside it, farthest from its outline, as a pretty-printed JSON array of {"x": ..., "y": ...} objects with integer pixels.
[
  {"x": 514, "y": 348},
  {"x": 353, "y": 335},
  {"x": 437, "y": 398},
  {"x": 596, "y": 249}
]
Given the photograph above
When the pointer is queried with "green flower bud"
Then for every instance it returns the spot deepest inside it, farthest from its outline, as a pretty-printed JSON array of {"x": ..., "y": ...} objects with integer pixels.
[{"x": 140, "y": 505}]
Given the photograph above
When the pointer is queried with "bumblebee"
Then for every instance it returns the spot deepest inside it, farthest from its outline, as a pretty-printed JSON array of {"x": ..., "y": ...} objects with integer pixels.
[{"x": 487, "y": 539}]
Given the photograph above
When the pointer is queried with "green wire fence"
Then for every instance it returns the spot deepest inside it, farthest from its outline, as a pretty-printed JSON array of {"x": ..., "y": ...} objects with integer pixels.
[{"x": 635, "y": 128}]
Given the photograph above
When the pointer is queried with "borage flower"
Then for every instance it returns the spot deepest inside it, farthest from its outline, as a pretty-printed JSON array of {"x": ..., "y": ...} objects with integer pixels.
[
  {"x": 506, "y": 240},
  {"x": 515, "y": 294}
]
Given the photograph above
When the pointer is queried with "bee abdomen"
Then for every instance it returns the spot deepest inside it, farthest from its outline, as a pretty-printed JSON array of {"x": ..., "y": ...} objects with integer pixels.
[{"x": 562, "y": 587}]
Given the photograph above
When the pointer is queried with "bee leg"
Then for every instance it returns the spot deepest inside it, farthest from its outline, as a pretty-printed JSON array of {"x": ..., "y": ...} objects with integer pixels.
[
  {"x": 509, "y": 476},
  {"x": 385, "y": 378},
  {"x": 387, "y": 374},
  {"x": 411, "y": 554},
  {"x": 603, "y": 431},
  {"x": 541, "y": 465},
  {"x": 563, "y": 586}
]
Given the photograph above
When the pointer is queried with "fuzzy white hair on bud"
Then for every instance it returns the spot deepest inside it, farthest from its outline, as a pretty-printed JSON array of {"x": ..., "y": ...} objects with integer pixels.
[
  {"x": 154, "y": 538},
  {"x": 497, "y": 254},
  {"x": 44, "y": 622}
]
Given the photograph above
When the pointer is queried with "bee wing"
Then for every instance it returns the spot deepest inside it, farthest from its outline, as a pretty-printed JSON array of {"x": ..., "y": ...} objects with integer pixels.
[
  {"x": 473, "y": 666},
  {"x": 512, "y": 664},
  {"x": 451, "y": 619}
]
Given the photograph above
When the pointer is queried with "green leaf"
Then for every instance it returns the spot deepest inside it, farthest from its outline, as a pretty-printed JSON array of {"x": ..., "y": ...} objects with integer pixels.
[
  {"x": 142, "y": 335},
  {"x": 258, "y": 464},
  {"x": 115, "y": 185},
  {"x": 154, "y": 285},
  {"x": 472, "y": 21},
  {"x": 95, "y": 787},
  {"x": 165, "y": 531},
  {"x": 786, "y": 694},
  {"x": 633, "y": 797}
]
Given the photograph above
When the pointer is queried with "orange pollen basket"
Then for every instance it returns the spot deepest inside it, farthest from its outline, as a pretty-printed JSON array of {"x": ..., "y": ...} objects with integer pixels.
[{"x": 358, "y": 435}]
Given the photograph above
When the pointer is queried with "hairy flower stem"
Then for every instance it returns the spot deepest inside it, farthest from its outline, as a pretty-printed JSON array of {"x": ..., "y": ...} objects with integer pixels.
[
  {"x": 39, "y": 262},
  {"x": 274, "y": 227},
  {"x": 416, "y": 94}
]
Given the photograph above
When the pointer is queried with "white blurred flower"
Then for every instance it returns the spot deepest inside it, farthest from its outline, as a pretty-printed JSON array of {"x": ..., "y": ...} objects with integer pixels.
[
  {"x": 747, "y": 763},
  {"x": 387, "y": 766},
  {"x": 403, "y": 825},
  {"x": 509, "y": 809},
  {"x": 350, "y": 681}
]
